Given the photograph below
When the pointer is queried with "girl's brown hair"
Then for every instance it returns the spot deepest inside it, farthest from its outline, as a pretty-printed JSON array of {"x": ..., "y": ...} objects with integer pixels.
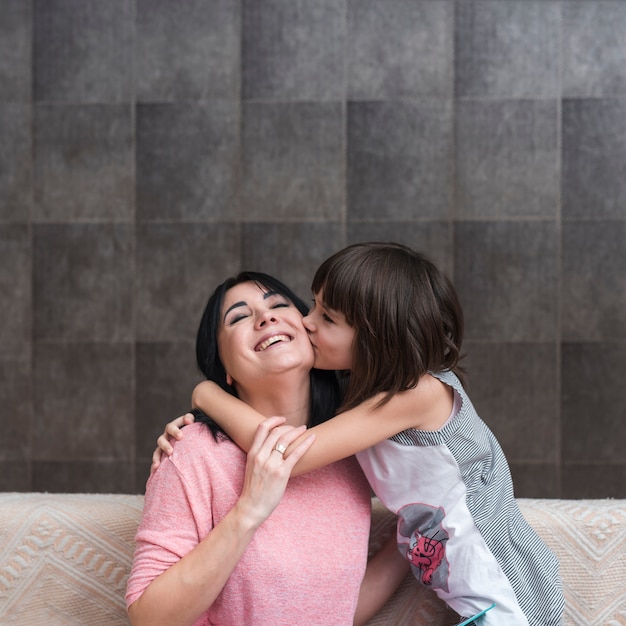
[{"x": 405, "y": 313}]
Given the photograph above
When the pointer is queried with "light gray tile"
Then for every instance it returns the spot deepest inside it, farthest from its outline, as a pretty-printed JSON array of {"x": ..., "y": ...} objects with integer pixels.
[
  {"x": 166, "y": 374},
  {"x": 187, "y": 160},
  {"x": 293, "y": 162},
  {"x": 83, "y": 163},
  {"x": 83, "y": 401},
  {"x": 594, "y": 158},
  {"x": 506, "y": 276},
  {"x": 399, "y": 159},
  {"x": 594, "y": 281},
  {"x": 16, "y": 41},
  {"x": 178, "y": 266},
  {"x": 83, "y": 282},
  {"x": 507, "y": 49},
  {"x": 507, "y": 158},
  {"x": 16, "y": 163},
  {"x": 593, "y": 401},
  {"x": 399, "y": 49},
  {"x": 83, "y": 51},
  {"x": 15, "y": 287},
  {"x": 514, "y": 389},
  {"x": 292, "y": 49},
  {"x": 434, "y": 239},
  {"x": 187, "y": 50},
  {"x": 290, "y": 252},
  {"x": 594, "y": 49}
]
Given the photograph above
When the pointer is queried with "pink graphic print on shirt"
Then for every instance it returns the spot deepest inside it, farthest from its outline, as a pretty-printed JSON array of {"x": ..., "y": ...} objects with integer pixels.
[{"x": 422, "y": 540}]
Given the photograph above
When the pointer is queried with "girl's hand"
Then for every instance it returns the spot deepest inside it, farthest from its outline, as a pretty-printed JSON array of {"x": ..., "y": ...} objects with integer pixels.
[
  {"x": 172, "y": 431},
  {"x": 267, "y": 470}
]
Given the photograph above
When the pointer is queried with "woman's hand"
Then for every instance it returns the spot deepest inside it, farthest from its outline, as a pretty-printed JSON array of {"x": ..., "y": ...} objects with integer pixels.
[
  {"x": 172, "y": 431},
  {"x": 267, "y": 470}
]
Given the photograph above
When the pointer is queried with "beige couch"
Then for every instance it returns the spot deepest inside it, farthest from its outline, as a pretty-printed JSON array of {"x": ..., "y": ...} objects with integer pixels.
[{"x": 64, "y": 559}]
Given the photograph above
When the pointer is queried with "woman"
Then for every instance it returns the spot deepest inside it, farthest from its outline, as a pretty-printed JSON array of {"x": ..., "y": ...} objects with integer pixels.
[{"x": 227, "y": 541}]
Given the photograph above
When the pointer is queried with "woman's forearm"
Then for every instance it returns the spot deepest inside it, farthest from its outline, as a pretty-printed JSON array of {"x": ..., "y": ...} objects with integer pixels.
[
  {"x": 183, "y": 592},
  {"x": 385, "y": 571}
]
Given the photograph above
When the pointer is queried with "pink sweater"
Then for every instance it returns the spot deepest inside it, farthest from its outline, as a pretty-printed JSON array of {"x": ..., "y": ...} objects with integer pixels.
[{"x": 304, "y": 564}]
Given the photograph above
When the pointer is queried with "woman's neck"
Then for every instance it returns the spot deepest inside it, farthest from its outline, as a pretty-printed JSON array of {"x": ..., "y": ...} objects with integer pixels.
[{"x": 284, "y": 396}]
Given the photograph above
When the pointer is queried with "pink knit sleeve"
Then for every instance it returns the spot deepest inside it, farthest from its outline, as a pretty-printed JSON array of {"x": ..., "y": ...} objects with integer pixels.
[{"x": 167, "y": 531}]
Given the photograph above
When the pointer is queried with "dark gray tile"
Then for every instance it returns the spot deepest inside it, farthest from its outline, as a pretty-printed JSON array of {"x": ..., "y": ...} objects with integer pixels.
[
  {"x": 166, "y": 374},
  {"x": 507, "y": 158},
  {"x": 399, "y": 159},
  {"x": 594, "y": 158},
  {"x": 293, "y": 161},
  {"x": 15, "y": 476},
  {"x": 434, "y": 239},
  {"x": 514, "y": 389},
  {"x": 593, "y": 401},
  {"x": 16, "y": 163},
  {"x": 399, "y": 49},
  {"x": 507, "y": 49},
  {"x": 506, "y": 276},
  {"x": 83, "y": 282},
  {"x": 290, "y": 252},
  {"x": 83, "y": 51},
  {"x": 17, "y": 405},
  {"x": 142, "y": 473},
  {"x": 83, "y": 163},
  {"x": 16, "y": 41},
  {"x": 16, "y": 287},
  {"x": 594, "y": 49},
  {"x": 187, "y": 160},
  {"x": 536, "y": 480},
  {"x": 293, "y": 49},
  {"x": 594, "y": 281},
  {"x": 188, "y": 50},
  {"x": 83, "y": 397},
  {"x": 594, "y": 481},
  {"x": 84, "y": 477},
  {"x": 178, "y": 266}
]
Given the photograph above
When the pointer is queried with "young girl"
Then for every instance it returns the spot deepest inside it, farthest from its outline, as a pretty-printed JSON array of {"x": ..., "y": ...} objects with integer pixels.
[{"x": 388, "y": 316}]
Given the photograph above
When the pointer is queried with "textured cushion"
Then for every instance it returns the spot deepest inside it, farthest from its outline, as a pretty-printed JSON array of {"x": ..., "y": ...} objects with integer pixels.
[
  {"x": 587, "y": 536},
  {"x": 64, "y": 559}
]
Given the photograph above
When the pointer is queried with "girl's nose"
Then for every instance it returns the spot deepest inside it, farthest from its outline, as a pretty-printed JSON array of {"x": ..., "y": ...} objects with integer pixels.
[{"x": 308, "y": 323}]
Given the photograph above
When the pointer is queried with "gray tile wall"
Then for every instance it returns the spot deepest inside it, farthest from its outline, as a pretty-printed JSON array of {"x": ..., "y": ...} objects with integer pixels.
[{"x": 150, "y": 148}]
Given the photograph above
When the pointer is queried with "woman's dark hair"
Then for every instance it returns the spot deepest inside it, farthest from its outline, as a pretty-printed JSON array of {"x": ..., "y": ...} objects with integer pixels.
[
  {"x": 405, "y": 313},
  {"x": 325, "y": 395}
]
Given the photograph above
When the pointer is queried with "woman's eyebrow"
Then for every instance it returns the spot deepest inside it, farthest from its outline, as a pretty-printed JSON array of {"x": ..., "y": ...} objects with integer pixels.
[{"x": 233, "y": 306}]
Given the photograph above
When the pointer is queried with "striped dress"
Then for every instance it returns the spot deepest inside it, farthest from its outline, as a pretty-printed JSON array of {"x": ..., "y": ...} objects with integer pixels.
[{"x": 458, "y": 523}]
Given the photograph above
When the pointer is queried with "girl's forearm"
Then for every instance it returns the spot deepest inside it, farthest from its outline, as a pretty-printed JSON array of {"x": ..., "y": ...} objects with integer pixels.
[
  {"x": 338, "y": 438},
  {"x": 236, "y": 417}
]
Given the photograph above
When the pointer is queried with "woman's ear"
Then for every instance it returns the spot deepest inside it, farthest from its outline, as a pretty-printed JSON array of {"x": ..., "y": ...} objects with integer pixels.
[{"x": 229, "y": 380}]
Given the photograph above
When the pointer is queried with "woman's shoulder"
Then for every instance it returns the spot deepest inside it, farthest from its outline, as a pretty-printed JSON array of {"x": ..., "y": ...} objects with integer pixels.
[{"x": 196, "y": 437}]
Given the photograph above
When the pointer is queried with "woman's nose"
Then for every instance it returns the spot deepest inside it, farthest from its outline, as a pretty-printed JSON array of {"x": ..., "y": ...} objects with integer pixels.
[{"x": 266, "y": 317}]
